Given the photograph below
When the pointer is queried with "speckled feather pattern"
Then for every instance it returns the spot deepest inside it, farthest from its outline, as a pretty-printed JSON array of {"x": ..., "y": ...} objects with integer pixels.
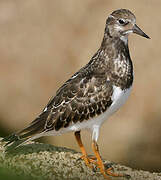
[{"x": 88, "y": 93}]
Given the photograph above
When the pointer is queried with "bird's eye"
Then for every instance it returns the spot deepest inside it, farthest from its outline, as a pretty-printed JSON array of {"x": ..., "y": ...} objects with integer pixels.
[{"x": 122, "y": 21}]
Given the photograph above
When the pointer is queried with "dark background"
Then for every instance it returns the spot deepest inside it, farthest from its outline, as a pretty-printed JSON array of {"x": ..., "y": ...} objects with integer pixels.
[{"x": 42, "y": 43}]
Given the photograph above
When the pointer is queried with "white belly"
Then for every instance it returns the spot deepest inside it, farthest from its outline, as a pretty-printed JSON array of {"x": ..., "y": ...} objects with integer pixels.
[{"x": 119, "y": 97}]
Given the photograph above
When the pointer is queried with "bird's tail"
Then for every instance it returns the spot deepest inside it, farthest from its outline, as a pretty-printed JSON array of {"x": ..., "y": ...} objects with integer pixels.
[{"x": 33, "y": 131}]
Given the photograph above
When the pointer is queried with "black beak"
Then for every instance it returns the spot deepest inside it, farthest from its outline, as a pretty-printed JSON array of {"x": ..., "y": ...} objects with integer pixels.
[{"x": 138, "y": 31}]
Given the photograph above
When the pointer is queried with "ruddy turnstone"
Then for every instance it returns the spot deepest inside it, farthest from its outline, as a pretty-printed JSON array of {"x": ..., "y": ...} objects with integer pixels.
[{"x": 92, "y": 94}]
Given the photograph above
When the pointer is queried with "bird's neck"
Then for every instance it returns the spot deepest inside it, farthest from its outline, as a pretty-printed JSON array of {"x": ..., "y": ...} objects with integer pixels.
[
  {"x": 109, "y": 40},
  {"x": 113, "y": 60}
]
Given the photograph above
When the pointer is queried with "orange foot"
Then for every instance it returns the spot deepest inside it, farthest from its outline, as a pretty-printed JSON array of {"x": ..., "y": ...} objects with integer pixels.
[
  {"x": 89, "y": 161},
  {"x": 96, "y": 160},
  {"x": 106, "y": 172}
]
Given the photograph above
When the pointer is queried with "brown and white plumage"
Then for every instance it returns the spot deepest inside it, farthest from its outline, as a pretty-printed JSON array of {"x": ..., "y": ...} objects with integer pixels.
[
  {"x": 85, "y": 95},
  {"x": 92, "y": 94}
]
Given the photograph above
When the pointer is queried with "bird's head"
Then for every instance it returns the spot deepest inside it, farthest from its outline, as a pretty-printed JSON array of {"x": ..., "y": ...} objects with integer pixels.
[{"x": 121, "y": 23}]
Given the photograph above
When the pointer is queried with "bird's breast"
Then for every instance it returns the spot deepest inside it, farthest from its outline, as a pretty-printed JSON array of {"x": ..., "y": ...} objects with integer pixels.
[{"x": 119, "y": 97}]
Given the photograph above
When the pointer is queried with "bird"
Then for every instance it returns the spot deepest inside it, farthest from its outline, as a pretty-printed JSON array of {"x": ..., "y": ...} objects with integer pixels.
[{"x": 92, "y": 94}]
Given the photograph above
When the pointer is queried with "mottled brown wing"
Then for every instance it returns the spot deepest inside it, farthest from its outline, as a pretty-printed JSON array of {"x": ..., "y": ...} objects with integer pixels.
[{"x": 80, "y": 98}]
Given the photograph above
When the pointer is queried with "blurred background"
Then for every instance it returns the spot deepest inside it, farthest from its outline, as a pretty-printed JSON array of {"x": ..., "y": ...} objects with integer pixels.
[{"x": 42, "y": 43}]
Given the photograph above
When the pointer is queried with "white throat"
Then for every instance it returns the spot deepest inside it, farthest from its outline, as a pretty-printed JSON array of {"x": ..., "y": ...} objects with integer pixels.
[{"x": 124, "y": 39}]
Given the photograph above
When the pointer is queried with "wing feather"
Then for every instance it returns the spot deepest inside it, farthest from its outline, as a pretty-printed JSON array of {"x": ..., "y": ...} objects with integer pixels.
[{"x": 83, "y": 96}]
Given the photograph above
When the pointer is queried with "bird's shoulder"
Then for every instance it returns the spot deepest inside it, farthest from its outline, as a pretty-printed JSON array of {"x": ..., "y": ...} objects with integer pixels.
[{"x": 85, "y": 83}]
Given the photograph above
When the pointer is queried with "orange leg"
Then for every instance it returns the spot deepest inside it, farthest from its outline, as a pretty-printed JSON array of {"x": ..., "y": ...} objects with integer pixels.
[
  {"x": 84, "y": 153},
  {"x": 101, "y": 165}
]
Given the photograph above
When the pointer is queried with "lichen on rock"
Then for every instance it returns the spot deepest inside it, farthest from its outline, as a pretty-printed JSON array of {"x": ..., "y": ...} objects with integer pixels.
[{"x": 47, "y": 162}]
